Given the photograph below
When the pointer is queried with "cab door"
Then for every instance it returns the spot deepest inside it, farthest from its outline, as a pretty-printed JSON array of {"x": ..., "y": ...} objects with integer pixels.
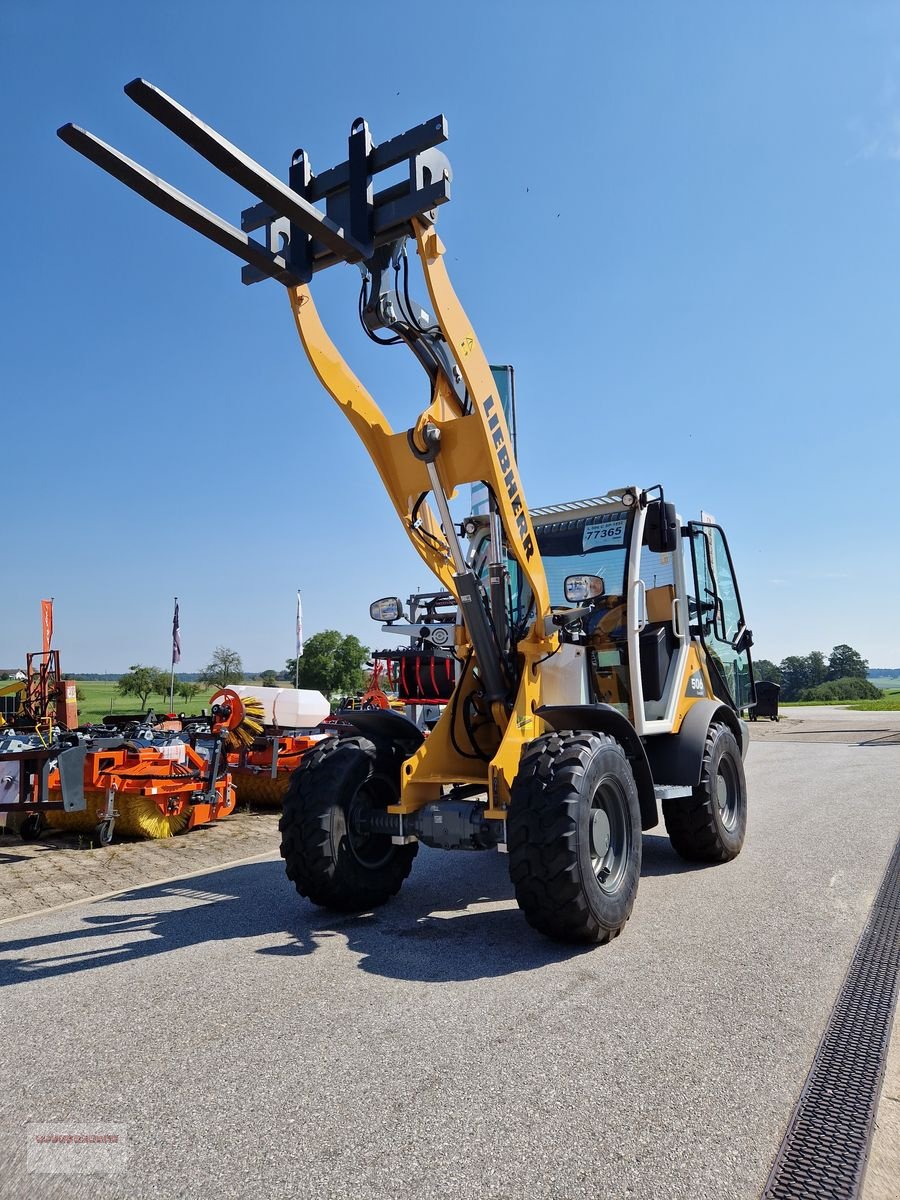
[{"x": 717, "y": 616}]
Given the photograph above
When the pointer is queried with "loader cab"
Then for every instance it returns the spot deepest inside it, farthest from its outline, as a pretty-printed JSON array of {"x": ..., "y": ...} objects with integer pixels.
[{"x": 637, "y": 646}]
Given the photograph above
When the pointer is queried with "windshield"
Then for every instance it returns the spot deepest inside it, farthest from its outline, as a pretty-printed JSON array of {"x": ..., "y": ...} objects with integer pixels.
[{"x": 587, "y": 546}]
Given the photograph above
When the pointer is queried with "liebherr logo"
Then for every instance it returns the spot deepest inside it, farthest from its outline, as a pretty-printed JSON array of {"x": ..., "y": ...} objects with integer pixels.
[{"x": 507, "y": 470}]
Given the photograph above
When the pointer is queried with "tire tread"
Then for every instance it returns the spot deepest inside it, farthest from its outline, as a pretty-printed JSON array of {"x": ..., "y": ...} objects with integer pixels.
[
  {"x": 543, "y": 837},
  {"x": 319, "y": 874}
]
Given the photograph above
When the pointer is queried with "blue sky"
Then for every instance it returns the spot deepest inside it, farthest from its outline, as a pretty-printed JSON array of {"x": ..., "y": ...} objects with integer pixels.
[{"x": 681, "y": 224}]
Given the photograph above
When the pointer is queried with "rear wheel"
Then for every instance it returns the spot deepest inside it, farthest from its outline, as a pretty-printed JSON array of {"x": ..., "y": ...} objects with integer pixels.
[
  {"x": 709, "y": 826},
  {"x": 326, "y": 857},
  {"x": 574, "y": 834}
]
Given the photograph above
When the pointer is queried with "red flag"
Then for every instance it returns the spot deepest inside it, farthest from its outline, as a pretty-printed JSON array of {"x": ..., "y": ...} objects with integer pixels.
[{"x": 47, "y": 623}]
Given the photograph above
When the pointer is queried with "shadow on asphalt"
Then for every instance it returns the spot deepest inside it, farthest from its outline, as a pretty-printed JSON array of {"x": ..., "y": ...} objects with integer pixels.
[{"x": 443, "y": 926}]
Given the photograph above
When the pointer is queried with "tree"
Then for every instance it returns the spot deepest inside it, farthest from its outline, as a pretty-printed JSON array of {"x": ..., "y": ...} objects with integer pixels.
[
  {"x": 818, "y": 668},
  {"x": 187, "y": 690},
  {"x": 140, "y": 681},
  {"x": 795, "y": 676},
  {"x": 162, "y": 685},
  {"x": 331, "y": 662},
  {"x": 844, "y": 663},
  {"x": 765, "y": 671},
  {"x": 851, "y": 688},
  {"x": 269, "y": 679},
  {"x": 224, "y": 669}
]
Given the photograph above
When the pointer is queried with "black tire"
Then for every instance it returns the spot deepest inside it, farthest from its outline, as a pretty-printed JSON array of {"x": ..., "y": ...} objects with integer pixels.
[
  {"x": 567, "y": 885},
  {"x": 324, "y": 860},
  {"x": 31, "y": 827},
  {"x": 709, "y": 826},
  {"x": 104, "y": 832}
]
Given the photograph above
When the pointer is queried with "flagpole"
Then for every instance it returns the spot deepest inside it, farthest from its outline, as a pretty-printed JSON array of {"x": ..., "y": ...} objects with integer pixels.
[
  {"x": 299, "y": 645},
  {"x": 174, "y": 643}
]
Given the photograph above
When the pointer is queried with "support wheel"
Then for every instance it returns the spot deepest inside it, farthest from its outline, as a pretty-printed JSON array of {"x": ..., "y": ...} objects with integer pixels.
[
  {"x": 709, "y": 826},
  {"x": 574, "y": 834},
  {"x": 325, "y": 856},
  {"x": 31, "y": 827},
  {"x": 104, "y": 832}
]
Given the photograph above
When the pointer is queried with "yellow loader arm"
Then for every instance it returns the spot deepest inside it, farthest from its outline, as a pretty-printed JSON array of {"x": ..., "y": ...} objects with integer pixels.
[
  {"x": 461, "y": 436},
  {"x": 473, "y": 445}
]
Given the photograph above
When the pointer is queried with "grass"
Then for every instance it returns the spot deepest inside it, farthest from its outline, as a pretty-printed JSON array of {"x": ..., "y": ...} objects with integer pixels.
[
  {"x": 889, "y": 702},
  {"x": 101, "y": 696}
]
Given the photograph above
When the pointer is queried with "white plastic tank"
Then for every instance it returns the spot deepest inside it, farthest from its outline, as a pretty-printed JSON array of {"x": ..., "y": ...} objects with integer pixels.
[{"x": 288, "y": 708}]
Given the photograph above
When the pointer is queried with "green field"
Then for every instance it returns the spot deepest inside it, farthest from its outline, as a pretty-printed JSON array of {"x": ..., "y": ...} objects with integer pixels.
[
  {"x": 887, "y": 682},
  {"x": 101, "y": 696}
]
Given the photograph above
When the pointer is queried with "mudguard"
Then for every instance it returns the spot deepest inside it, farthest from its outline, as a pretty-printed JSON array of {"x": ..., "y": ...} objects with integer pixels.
[
  {"x": 603, "y": 718},
  {"x": 385, "y": 723},
  {"x": 676, "y": 759}
]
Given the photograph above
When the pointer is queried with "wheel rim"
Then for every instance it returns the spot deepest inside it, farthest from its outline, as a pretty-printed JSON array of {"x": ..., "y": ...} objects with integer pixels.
[
  {"x": 610, "y": 834},
  {"x": 727, "y": 793},
  {"x": 371, "y": 850}
]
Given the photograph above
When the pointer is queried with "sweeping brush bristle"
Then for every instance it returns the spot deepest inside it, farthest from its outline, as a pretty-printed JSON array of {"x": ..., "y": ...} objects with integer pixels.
[
  {"x": 250, "y": 726},
  {"x": 260, "y": 789},
  {"x": 139, "y": 816}
]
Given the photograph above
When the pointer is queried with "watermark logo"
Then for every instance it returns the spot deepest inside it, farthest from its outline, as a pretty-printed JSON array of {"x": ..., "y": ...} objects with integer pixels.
[{"x": 76, "y": 1148}]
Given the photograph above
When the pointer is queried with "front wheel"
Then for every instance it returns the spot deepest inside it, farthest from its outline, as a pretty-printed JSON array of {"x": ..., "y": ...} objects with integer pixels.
[
  {"x": 327, "y": 856},
  {"x": 709, "y": 826},
  {"x": 574, "y": 834}
]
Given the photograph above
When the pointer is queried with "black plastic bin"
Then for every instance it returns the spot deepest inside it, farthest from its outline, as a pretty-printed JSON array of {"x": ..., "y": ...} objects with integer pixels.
[{"x": 766, "y": 701}]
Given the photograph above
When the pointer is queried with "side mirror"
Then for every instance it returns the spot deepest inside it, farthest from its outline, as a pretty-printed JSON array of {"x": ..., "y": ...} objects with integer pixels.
[
  {"x": 386, "y": 610},
  {"x": 580, "y": 588},
  {"x": 661, "y": 527},
  {"x": 743, "y": 641}
]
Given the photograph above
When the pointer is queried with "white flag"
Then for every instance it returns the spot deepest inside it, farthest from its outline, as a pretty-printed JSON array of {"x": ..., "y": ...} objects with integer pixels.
[{"x": 299, "y": 627}]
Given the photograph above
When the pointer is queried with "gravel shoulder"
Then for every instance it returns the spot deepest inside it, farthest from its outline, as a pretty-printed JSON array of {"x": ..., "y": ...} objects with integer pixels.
[{"x": 60, "y": 868}]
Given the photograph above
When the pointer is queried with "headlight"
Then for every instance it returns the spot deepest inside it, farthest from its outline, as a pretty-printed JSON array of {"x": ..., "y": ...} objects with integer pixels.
[{"x": 387, "y": 609}]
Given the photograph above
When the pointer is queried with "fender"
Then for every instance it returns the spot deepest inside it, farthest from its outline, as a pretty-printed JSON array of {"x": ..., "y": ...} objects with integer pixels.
[
  {"x": 603, "y": 718},
  {"x": 677, "y": 758},
  {"x": 385, "y": 723}
]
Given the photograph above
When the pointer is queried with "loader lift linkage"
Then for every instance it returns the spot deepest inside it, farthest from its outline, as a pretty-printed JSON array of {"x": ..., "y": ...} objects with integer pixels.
[{"x": 498, "y": 713}]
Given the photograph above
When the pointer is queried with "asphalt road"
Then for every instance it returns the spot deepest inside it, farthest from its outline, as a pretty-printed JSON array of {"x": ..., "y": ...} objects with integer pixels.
[{"x": 253, "y": 1046}]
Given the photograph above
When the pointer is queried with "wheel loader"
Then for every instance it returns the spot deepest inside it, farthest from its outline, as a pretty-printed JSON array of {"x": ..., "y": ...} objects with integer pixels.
[{"x": 603, "y": 657}]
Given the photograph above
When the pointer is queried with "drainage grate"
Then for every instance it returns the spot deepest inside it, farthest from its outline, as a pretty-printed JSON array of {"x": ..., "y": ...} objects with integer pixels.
[{"x": 824, "y": 1152}]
